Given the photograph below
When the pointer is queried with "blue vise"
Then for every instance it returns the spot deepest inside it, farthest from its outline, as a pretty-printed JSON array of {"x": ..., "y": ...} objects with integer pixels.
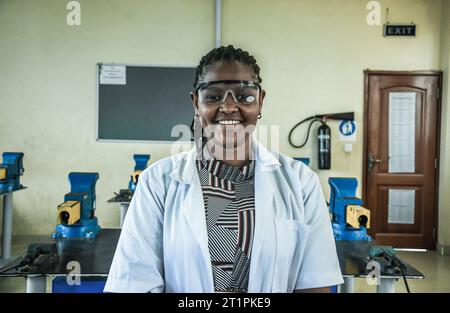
[
  {"x": 76, "y": 217},
  {"x": 10, "y": 171},
  {"x": 141, "y": 164},
  {"x": 303, "y": 160},
  {"x": 350, "y": 220}
]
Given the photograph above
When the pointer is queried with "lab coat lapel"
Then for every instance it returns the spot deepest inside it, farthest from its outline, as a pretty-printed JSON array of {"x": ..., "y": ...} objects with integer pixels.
[
  {"x": 194, "y": 209},
  {"x": 265, "y": 191}
]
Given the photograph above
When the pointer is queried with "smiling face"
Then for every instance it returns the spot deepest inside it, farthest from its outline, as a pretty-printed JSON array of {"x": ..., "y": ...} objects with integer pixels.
[{"x": 229, "y": 121}]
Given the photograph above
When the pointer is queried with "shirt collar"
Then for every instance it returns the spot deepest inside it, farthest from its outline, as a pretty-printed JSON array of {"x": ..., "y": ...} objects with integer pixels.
[{"x": 185, "y": 163}]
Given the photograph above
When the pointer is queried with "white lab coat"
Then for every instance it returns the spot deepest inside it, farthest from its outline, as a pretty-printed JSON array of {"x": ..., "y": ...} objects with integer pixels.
[{"x": 163, "y": 246}]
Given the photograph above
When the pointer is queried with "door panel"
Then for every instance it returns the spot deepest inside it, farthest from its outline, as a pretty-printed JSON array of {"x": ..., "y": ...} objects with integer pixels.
[
  {"x": 402, "y": 115},
  {"x": 384, "y": 213}
]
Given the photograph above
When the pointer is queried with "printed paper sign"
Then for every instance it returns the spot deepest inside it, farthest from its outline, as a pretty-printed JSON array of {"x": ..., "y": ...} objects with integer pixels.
[{"x": 113, "y": 75}]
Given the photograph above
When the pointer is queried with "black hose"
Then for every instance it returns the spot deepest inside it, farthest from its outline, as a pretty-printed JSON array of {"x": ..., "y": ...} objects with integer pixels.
[{"x": 314, "y": 119}]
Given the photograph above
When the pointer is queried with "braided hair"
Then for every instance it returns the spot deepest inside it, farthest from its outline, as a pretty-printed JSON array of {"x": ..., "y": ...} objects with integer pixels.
[{"x": 226, "y": 54}]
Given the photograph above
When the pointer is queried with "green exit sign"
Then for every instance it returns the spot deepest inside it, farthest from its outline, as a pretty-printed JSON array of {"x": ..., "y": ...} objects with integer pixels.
[{"x": 399, "y": 30}]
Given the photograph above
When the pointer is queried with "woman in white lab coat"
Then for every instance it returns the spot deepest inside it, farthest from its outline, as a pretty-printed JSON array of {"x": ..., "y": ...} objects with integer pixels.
[{"x": 229, "y": 215}]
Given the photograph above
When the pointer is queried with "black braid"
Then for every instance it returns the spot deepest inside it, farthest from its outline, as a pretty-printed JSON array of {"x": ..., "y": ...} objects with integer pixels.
[{"x": 226, "y": 54}]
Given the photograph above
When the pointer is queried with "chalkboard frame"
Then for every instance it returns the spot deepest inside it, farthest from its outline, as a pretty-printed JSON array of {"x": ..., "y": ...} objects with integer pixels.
[{"x": 97, "y": 106}]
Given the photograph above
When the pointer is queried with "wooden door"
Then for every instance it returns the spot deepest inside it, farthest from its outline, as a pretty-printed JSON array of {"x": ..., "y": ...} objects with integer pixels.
[{"x": 401, "y": 150}]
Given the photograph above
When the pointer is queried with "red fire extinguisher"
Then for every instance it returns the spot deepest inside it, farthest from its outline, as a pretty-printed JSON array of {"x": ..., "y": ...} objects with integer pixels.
[{"x": 324, "y": 146}]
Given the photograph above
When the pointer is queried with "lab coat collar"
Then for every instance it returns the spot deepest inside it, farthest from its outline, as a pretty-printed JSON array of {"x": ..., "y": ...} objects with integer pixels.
[{"x": 185, "y": 167}]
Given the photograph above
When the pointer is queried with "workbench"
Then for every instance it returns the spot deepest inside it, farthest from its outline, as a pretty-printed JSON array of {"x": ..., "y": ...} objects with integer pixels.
[{"x": 95, "y": 258}]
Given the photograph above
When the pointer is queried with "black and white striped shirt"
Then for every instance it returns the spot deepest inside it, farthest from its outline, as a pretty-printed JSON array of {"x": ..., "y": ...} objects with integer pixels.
[{"x": 229, "y": 197}]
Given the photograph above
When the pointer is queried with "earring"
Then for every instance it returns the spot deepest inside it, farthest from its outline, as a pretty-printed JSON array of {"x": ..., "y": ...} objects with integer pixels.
[{"x": 259, "y": 116}]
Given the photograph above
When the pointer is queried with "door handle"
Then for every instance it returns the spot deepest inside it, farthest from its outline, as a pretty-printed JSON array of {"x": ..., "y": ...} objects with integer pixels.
[{"x": 372, "y": 161}]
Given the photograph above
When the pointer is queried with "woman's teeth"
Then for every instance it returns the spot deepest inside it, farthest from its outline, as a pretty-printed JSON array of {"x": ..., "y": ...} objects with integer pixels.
[{"x": 229, "y": 122}]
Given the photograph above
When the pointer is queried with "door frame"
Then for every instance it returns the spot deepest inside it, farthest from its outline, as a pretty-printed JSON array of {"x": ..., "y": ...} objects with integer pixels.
[{"x": 439, "y": 74}]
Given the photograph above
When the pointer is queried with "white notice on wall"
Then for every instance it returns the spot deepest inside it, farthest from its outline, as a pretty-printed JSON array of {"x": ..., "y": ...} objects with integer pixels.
[
  {"x": 402, "y": 132},
  {"x": 401, "y": 205},
  {"x": 113, "y": 75}
]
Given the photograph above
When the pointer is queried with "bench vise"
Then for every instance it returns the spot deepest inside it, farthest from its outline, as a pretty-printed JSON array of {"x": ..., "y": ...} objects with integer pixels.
[
  {"x": 10, "y": 171},
  {"x": 76, "y": 217},
  {"x": 349, "y": 219},
  {"x": 141, "y": 164}
]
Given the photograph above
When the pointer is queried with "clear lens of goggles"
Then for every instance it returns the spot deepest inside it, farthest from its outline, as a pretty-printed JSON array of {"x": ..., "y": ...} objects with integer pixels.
[{"x": 216, "y": 93}]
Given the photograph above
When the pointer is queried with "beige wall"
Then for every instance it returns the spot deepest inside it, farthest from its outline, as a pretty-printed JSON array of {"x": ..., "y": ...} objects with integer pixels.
[
  {"x": 312, "y": 54},
  {"x": 48, "y": 84}
]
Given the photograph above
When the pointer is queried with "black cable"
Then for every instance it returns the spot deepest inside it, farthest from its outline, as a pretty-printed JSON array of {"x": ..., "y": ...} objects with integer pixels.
[
  {"x": 26, "y": 260},
  {"x": 398, "y": 265},
  {"x": 9, "y": 268},
  {"x": 404, "y": 279},
  {"x": 402, "y": 268},
  {"x": 314, "y": 119}
]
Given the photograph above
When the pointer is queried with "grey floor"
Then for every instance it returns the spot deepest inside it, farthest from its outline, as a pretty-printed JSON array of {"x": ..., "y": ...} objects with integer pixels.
[{"x": 435, "y": 267}]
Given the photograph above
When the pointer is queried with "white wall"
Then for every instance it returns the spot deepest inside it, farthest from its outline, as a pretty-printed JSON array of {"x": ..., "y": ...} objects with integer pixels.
[{"x": 312, "y": 54}]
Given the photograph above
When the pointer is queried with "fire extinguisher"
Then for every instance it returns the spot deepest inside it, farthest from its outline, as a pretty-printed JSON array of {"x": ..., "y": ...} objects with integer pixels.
[
  {"x": 324, "y": 146},
  {"x": 323, "y": 135}
]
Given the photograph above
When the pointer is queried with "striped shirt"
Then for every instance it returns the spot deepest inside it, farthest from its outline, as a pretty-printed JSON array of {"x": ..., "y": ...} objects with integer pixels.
[{"x": 229, "y": 198}]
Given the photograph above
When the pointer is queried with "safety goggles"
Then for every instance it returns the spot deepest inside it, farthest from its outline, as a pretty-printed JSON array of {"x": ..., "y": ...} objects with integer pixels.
[{"x": 244, "y": 92}]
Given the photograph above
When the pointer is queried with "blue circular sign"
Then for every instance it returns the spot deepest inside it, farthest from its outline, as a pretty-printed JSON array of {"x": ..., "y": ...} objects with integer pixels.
[{"x": 347, "y": 128}]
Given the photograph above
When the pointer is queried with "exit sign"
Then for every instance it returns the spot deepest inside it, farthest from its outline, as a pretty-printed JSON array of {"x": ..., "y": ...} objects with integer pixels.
[{"x": 399, "y": 30}]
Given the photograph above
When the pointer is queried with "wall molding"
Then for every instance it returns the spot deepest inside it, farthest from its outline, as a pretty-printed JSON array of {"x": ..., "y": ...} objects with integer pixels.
[{"x": 443, "y": 249}]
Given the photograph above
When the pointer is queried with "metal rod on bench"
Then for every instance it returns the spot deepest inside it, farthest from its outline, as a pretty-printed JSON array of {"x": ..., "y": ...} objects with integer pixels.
[
  {"x": 123, "y": 212},
  {"x": 348, "y": 286},
  {"x": 7, "y": 226}
]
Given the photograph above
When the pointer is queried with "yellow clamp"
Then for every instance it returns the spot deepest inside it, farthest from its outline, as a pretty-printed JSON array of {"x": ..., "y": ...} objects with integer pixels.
[
  {"x": 136, "y": 176},
  {"x": 2, "y": 173},
  {"x": 69, "y": 212},
  {"x": 357, "y": 215}
]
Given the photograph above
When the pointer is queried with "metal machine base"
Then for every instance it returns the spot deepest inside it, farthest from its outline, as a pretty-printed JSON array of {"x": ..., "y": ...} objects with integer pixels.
[{"x": 36, "y": 284}]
